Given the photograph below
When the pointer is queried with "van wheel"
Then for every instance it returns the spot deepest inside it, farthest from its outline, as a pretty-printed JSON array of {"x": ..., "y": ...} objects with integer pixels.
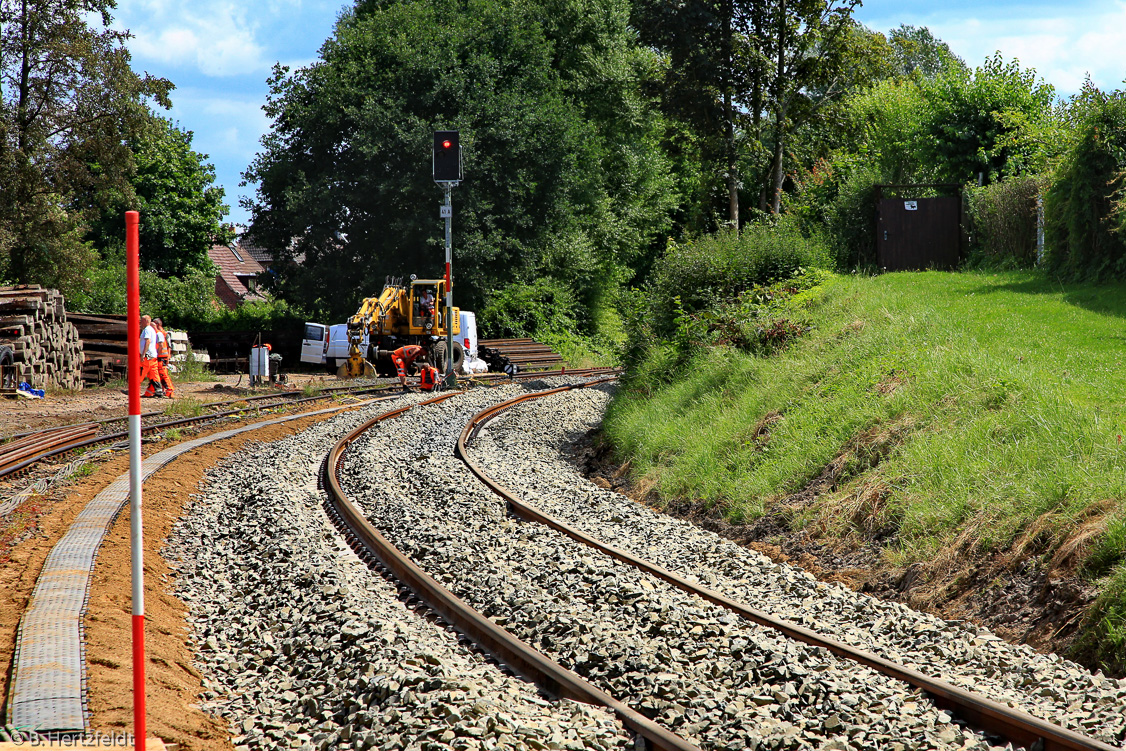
[{"x": 331, "y": 363}]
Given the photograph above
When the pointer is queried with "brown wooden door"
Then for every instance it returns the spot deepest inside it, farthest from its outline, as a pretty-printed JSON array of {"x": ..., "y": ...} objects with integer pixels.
[{"x": 918, "y": 233}]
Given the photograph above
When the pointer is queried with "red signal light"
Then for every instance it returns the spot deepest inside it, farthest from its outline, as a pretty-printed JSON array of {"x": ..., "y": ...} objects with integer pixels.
[{"x": 446, "y": 144}]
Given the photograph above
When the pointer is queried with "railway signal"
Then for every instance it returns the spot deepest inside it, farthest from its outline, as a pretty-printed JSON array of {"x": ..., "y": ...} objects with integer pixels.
[
  {"x": 447, "y": 157},
  {"x": 447, "y": 173}
]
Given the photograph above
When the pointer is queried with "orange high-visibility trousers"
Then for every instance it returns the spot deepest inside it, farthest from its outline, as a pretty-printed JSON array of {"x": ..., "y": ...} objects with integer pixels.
[
  {"x": 149, "y": 370},
  {"x": 165, "y": 377}
]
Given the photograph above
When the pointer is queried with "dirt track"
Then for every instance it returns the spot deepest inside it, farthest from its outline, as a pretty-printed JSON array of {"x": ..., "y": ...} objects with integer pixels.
[{"x": 173, "y": 684}]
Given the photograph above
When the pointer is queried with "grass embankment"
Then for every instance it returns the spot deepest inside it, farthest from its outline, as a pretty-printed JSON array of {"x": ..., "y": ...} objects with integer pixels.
[{"x": 945, "y": 418}]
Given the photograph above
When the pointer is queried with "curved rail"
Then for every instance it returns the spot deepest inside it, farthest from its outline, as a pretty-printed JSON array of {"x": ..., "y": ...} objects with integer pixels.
[
  {"x": 48, "y": 690},
  {"x": 993, "y": 717},
  {"x": 549, "y": 675},
  {"x": 46, "y": 450}
]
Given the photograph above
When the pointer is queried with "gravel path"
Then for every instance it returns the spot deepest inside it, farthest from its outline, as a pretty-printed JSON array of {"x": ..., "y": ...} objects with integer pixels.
[
  {"x": 701, "y": 671},
  {"x": 525, "y": 450},
  {"x": 302, "y": 646}
]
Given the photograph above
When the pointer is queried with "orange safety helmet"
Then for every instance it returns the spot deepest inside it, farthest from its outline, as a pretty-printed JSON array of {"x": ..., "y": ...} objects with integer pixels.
[{"x": 268, "y": 347}]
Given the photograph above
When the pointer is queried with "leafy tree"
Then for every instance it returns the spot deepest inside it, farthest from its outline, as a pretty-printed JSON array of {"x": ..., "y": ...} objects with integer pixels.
[
  {"x": 173, "y": 188},
  {"x": 970, "y": 119},
  {"x": 558, "y": 175},
  {"x": 746, "y": 73},
  {"x": 67, "y": 94},
  {"x": 917, "y": 52}
]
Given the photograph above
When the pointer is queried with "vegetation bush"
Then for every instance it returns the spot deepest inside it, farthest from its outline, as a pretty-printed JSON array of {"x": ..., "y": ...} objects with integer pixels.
[
  {"x": 1002, "y": 222},
  {"x": 184, "y": 302},
  {"x": 837, "y": 200},
  {"x": 1081, "y": 241},
  {"x": 697, "y": 274},
  {"x": 547, "y": 310}
]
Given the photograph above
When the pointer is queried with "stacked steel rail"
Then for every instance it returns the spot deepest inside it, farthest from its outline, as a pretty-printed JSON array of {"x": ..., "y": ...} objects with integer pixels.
[
  {"x": 15, "y": 454},
  {"x": 523, "y": 353}
]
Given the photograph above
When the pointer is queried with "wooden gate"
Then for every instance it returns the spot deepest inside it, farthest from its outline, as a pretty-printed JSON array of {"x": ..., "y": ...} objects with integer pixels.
[{"x": 918, "y": 233}]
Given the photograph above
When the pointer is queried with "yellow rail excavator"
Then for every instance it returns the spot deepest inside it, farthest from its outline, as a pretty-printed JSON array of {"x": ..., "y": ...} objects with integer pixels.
[{"x": 402, "y": 314}]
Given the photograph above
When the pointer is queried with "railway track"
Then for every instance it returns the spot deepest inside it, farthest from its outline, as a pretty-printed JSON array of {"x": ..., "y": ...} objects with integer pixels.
[
  {"x": 990, "y": 719},
  {"x": 22, "y": 451},
  {"x": 658, "y": 635}
]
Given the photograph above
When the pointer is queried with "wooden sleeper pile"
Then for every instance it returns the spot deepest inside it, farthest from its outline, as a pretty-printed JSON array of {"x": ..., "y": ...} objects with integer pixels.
[{"x": 37, "y": 342}]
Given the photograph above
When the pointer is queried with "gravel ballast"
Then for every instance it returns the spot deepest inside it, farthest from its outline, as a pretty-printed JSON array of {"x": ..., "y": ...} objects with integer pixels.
[
  {"x": 701, "y": 671},
  {"x": 525, "y": 450},
  {"x": 303, "y": 646}
]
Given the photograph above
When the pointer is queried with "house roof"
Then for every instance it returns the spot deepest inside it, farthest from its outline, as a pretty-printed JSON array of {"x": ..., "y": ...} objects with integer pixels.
[
  {"x": 235, "y": 264},
  {"x": 257, "y": 252}
]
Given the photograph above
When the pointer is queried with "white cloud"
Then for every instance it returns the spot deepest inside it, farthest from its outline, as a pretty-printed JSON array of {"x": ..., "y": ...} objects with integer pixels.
[
  {"x": 1084, "y": 38},
  {"x": 217, "y": 37}
]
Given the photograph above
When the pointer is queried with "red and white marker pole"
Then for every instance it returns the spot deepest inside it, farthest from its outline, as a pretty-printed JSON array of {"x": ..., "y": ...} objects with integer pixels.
[{"x": 133, "y": 299}]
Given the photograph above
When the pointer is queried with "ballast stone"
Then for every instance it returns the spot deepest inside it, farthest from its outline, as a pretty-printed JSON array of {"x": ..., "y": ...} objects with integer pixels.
[{"x": 282, "y": 553}]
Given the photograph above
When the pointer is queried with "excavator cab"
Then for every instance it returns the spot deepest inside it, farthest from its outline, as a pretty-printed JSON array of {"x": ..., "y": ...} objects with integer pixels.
[{"x": 425, "y": 305}]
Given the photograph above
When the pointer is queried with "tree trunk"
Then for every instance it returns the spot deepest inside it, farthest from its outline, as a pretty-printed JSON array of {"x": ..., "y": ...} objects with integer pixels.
[
  {"x": 779, "y": 113},
  {"x": 732, "y": 174},
  {"x": 729, "y": 116}
]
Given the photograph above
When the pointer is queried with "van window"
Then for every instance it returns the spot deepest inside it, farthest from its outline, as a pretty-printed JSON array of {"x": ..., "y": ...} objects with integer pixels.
[{"x": 314, "y": 332}]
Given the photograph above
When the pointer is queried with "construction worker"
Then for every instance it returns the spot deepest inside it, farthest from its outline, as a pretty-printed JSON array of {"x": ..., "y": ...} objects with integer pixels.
[
  {"x": 426, "y": 304},
  {"x": 403, "y": 358},
  {"x": 148, "y": 358},
  {"x": 163, "y": 354}
]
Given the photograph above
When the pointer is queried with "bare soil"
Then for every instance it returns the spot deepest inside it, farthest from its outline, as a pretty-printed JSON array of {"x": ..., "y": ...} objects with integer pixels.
[
  {"x": 18, "y": 415},
  {"x": 173, "y": 685},
  {"x": 1021, "y": 596}
]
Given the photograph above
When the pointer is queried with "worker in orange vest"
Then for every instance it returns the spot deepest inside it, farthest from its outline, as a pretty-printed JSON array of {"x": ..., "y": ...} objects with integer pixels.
[
  {"x": 427, "y": 377},
  {"x": 148, "y": 358},
  {"x": 163, "y": 354},
  {"x": 403, "y": 358}
]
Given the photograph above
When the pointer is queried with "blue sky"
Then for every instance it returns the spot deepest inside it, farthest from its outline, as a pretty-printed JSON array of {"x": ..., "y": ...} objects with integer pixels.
[{"x": 219, "y": 54}]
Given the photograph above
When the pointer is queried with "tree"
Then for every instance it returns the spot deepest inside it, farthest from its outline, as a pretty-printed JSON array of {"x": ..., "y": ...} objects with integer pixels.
[
  {"x": 971, "y": 119},
  {"x": 67, "y": 94},
  {"x": 344, "y": 179},
  {"x": 714, "y": 75},
  {"x": 173, "y": 187},
  {"x": 742, "y": 70},
  {"x": 918, "y": 52}
]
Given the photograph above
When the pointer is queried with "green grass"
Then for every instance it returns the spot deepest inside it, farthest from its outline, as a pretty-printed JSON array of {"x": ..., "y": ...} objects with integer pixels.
[
  {"x": 186, "y": 407},
  {"x": 994, "y": 404}
]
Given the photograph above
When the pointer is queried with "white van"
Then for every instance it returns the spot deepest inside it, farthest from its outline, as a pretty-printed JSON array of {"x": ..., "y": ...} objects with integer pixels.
[
  {"x": 327, "y": 345},
  {"x": 472, "y": 364}
]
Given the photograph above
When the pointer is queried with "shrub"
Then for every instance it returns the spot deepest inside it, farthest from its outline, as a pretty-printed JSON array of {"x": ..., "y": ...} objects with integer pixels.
[
  {"x": 838, "y": 198},
  {"x": 1079, "y": 223},
  {"x": 1002, "y": 219},
  {"x": 700, "y": 273},
  {"x": 530, "y": 309}
]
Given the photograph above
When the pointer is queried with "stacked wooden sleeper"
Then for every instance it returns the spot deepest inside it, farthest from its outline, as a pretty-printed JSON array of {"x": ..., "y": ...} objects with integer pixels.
[
  {"x": 105, "y": 339},
  {"x": 38, "y": 345}
]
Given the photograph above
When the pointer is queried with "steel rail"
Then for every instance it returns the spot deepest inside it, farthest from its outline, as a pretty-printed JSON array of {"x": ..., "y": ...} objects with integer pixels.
[
  {"x": 990, "y": 716},
  {"x": 49, "y": 452},
  {"x": 14, "y": 453},
  {"x": 545, "y": 673},
  {"x": 279, "y": 395}
]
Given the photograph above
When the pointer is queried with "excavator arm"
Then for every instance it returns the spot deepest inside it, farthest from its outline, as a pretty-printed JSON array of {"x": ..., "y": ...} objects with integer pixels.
[{"x": 368, "y": 319}]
